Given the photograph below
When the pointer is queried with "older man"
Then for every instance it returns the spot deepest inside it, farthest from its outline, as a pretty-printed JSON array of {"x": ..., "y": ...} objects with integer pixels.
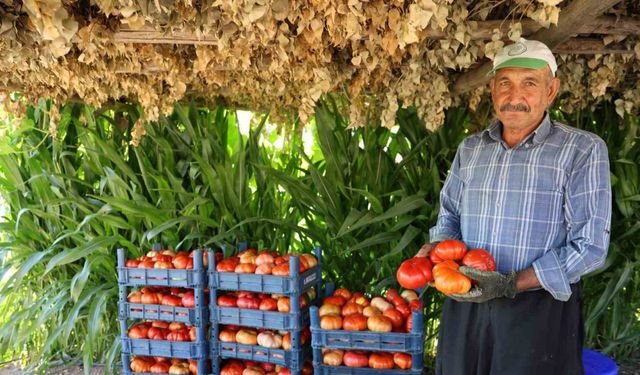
[{"x": 536, "y": 194}]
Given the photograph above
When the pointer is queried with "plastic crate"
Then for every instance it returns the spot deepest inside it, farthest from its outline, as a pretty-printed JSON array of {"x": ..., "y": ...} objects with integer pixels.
[
  {"x": 291, "y": 359},
  {"x": 193, "y": 316},
  {"x": 409, "y": 343},
  {"x": 190, "y": 278},
  {"x": 165, "y": 348},
  {"x": 260, "y": 319},
  {"x": 269, "y": 284},
  {"x": 320, "y": 369}
]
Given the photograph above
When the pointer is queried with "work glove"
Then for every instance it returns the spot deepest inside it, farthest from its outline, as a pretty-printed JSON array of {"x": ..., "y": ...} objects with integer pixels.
[{"x": 489, "y": 285}]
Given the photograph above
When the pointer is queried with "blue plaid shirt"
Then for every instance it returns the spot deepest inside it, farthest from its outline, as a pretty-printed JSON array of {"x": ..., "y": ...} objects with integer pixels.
[{"x": 544, "y": 203}]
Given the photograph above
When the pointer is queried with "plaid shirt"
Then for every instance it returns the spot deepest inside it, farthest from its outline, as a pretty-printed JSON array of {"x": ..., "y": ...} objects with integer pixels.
[{"x": 544, "y": 203}]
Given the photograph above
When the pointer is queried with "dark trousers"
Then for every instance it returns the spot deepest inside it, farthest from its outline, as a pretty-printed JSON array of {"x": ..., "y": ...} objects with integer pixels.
[{"x": 532, "y": 334}]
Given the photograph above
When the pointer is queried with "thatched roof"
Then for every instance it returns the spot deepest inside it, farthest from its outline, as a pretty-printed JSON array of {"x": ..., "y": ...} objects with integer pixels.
[{"x": 282, "y": 55}]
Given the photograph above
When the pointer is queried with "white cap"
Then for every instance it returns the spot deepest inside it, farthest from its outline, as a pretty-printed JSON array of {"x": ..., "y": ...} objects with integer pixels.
[{"x": 525, "y": 54}]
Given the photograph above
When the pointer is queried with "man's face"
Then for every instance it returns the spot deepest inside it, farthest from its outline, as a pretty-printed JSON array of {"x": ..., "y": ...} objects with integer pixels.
[{"x": 521, "y": 95}]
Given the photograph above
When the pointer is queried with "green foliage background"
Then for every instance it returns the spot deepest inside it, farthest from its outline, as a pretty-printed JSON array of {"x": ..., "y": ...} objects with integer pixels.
[{"x": 367, "y": 196}]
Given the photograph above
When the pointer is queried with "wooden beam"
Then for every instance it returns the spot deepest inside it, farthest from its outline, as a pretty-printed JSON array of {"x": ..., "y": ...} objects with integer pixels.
[
  {"x": 572, "y": 18},
  {"x": 590, "y": 46},
  {"x": 601, "y": 25}
]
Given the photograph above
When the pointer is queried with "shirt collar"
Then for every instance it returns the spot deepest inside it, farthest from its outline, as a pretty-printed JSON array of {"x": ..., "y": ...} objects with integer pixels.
[{"x": 494, "y": 131}]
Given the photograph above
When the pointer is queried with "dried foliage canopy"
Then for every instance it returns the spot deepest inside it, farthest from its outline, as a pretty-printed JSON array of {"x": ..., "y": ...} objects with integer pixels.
[{"x": 282, "y": 55}]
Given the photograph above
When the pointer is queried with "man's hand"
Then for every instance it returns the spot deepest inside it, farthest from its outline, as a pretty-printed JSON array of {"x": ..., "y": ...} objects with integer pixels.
[
  {"x": 490, "y": 285},
  {"x": 425, "y": 249}
]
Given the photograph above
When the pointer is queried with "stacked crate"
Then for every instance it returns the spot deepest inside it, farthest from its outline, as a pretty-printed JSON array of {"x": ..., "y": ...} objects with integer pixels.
[
  {"x": 196, "y": 317},
  {"x": 410, "y": 343},
  {"x": 292, "y": 286}
]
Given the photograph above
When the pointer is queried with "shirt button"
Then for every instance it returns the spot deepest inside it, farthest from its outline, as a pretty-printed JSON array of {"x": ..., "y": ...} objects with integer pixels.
[{"x": 498, "y": 204}]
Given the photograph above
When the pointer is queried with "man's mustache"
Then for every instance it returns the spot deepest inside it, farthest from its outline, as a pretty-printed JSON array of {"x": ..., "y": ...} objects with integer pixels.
[{"x": 515, "y": 108}]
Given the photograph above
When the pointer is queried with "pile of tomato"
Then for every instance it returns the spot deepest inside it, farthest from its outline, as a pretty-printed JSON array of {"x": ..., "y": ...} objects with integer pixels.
[
  {"x": 261, "y": 337},
  {"x": 360, "y": 358},
  {"x": 162, "y": 365},
  {"x": 238, "y": 367},
  {"x": 356, "y": 312},
  {"x": 442, "y": 267},
  {"x": 159, "y": 330},
  {"x": 168, "y": 259},
  {"x": 162, "y": 295},
  {"x": 264, "y": 263},
  {"x": 261, "y": 301}
]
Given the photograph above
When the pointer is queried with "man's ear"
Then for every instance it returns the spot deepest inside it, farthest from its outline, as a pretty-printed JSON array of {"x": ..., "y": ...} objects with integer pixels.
[{"x": 554, "y": 87}]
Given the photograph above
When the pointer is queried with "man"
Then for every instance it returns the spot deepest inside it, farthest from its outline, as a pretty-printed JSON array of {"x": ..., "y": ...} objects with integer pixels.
[{"x": 536, "y": 194}]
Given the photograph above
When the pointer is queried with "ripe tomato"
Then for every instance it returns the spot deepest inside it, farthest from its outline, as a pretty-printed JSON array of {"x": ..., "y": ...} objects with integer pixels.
[
  {"x": 450, "y": 250},
  {"x": 159, "y": 368},
  {"x": 170, "y": 300},
  {"x": 248, "y": 303},
  {"x": 449, "y": 280},
  {"x": 395, "y": 316},
  {"x": 344, "y": 293},
  {"x": 379, "y": 323},
  {"x": 355, "y": 359},
  {"x": 280, "y": 270},
  {"x": 138, "y": 331},
  {"x": 333, "y": 358},
  {"x": 245, "y": 268},
  {"x": 351, "y": 308},
  {"x": 381, "y": 360},
  {"x": 414, "y": 273},
  {"x": 227, "y": 265},
  {"x": 268, "y": 304},
  {"x": 189, "y": 300},
  {"x": 354, "y": 322},
  {"x": 335, "y": 300},
  {"x": 479, "y": 259},
  {"x": 402, "y": 360},
  {"x": 332, "y": 322},
  {"x": 132, "y": 263},
  {"x": 180, "y": 262},
  {"x": 140, "y": 365},
  {"x": 227, "y": 301},
  {"x": 394, "y": 297}
]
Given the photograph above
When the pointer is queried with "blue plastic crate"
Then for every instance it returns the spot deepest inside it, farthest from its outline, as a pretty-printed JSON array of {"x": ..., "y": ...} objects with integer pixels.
[
  {"x": 193, "y": 316},
  {"x": 190, "y": 278},
  {"x": 269, "y": 284},
  {"x": 344, "y": 370},
  {"x": 163, "y": 348},
  {"x": 598, "y": 364},
  {"x": 410, "y": 343},
  {"x": 259, "y": 319},
  {"x": 291, "y": 359}
]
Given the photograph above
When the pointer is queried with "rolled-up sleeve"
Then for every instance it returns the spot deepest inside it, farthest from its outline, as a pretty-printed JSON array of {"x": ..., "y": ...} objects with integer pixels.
[
  {"x": 448, "y": 225},
  {"x": 587, "y": 203}
]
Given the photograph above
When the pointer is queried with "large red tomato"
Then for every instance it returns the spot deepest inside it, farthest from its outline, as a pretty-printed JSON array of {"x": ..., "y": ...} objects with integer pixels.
[
  {"x": 450, "y": 250},
  {"x": 414, "y": 273},
  {"x": 479, "y": 259},
  {"x": 355, "y": 359},
  {"x": 381, "y": 360}
]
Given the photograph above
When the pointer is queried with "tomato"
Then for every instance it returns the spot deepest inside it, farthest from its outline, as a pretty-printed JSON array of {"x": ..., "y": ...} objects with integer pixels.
[
  {"x": 328, "y": 308},
  {"x": 180, "y": 262},
  {"x": 414, "y": 273},
  {"x": 140, "y": 365},
  {"x": 286, "y": 341},
  {"x": 351, "y": 308},
  {"x": 189, "y": 300},
  {"x": 335, "y": 300},
  {"x": 160, "y": 324},
  {"x": 355, "y": 359},
  {"x": 415, "y": 305},
  {"x": 394, "y": 297},
  {"x": 479, "y": 259},
  {"x": 285, "y": 306},
  {"x": 227, "y": 301},
  {"x": 247, "y": 337},
  {"x": 404, "y": 309},
  {"x": 371, "y": 311},
  {"x": 232, "y": 368},
  {"x": 381, "y": 360},
  {"x": 193, "y": 366},
  {"x": 332, "y": 322},
  {"x": 395, "y": 316},
  {"x": 170, "y": 300},
  {"x": 283, "y": 371},
  {"x": 311, "y": 260},
  {"x": 449, "y": 280},
  {"x": 248, "y": 302},
  {"x": 379, "y": 323},
  {"x": 177, "y": 326},
  {"x": 344, "y": 293},
  {"x": 227, "y": 265},
  {"x": 450, "y": 250},
  {"x": 159, "y": 368},
  {"x": 138, "y": 331},
  {"x": 333, "y": 358},
  {"x": 381, "y": 304},
  {"x": 132, "y": 263},
  {"x": 402, "y": 360},
  {"x": 268, "y": 367},
  {"x": 179, "y": 369},
  {"x": 245, "y": 268},
  {"x": 264, "y": 269},
  {"x": 408, "y": 324},
  {"x": 354, "y": 322},
  {"x": 134, "y": 297},
  {"x": 268, "y": 304},
  {"x": 180, "y": 335},
  {"x": 155, "y": 333},
  {"x": 192, "y": 334},
  {"x": 269, "y": 339},
  {"x": 147, "y": 264},
  {"x": 280, "y": 270},
  {"x": 227, "y": 335},
  {"x": 264, "y": 257}
]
